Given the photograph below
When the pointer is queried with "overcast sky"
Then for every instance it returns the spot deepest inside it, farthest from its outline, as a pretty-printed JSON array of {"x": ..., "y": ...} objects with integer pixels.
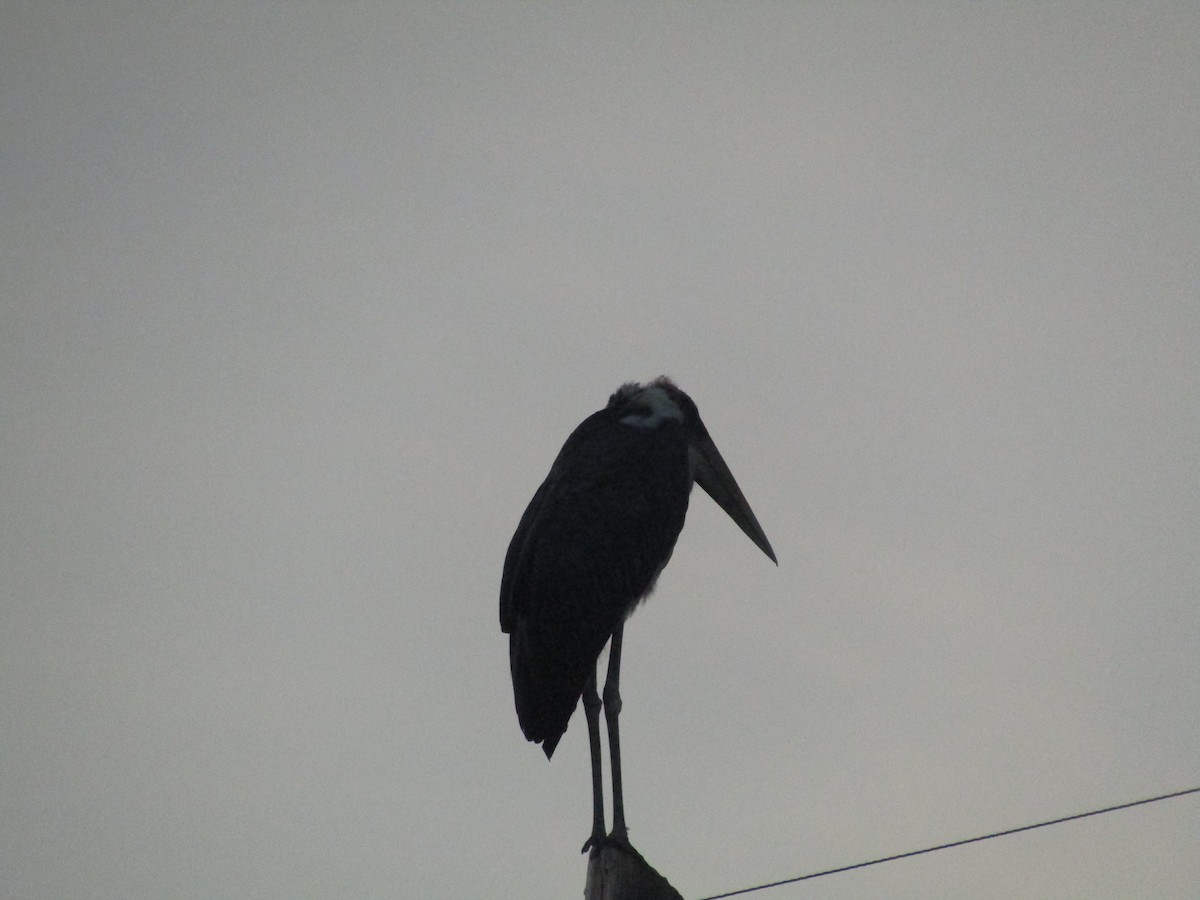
[{"x": 298, "y": 303}]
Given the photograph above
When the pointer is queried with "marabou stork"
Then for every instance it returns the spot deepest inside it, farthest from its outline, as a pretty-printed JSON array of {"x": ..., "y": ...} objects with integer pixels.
[{"x": 589, "y": 547}]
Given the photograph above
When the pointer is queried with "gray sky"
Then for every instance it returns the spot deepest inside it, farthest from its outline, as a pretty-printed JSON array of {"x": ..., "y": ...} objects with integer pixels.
[{"x": 300, "y": 301}]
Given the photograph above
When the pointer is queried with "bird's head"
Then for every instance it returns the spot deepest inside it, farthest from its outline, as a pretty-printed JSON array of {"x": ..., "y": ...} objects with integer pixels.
[{"x": 659, "y": 402}]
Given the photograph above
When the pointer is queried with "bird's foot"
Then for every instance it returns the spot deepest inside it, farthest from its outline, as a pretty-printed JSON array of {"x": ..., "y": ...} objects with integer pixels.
[{"x": 598, "y": 842}]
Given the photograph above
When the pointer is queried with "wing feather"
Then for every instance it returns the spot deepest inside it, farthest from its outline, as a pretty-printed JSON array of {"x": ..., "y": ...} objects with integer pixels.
[{"x": 588, "y": 547}]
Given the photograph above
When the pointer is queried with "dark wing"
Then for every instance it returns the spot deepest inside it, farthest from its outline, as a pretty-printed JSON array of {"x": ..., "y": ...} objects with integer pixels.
[
  {"x": 512, "y": 560},
  {"x": 589, "y": 546}
]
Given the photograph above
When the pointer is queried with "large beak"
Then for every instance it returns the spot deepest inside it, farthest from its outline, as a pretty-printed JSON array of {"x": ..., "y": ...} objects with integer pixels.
[{"x": 711, "y": 473}]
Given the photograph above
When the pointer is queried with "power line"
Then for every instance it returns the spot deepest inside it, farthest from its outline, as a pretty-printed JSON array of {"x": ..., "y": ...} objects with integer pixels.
[{"x": 982, "y": 837}]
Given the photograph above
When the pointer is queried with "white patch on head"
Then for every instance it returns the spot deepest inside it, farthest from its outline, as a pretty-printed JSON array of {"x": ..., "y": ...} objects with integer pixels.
[{"x": 651, "y": 407}]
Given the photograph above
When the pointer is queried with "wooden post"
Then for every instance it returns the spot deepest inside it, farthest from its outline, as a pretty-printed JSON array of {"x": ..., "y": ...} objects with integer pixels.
[{"x": 618, "y": 872}]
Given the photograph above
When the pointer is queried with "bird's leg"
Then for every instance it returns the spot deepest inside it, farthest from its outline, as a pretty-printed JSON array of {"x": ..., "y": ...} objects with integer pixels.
[
  {"x": 591, "y": 709},
  {"x": 612, "y": 709}
]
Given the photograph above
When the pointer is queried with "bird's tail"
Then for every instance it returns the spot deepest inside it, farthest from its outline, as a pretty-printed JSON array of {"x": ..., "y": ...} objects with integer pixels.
[{"x": 546, "y": 689}]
